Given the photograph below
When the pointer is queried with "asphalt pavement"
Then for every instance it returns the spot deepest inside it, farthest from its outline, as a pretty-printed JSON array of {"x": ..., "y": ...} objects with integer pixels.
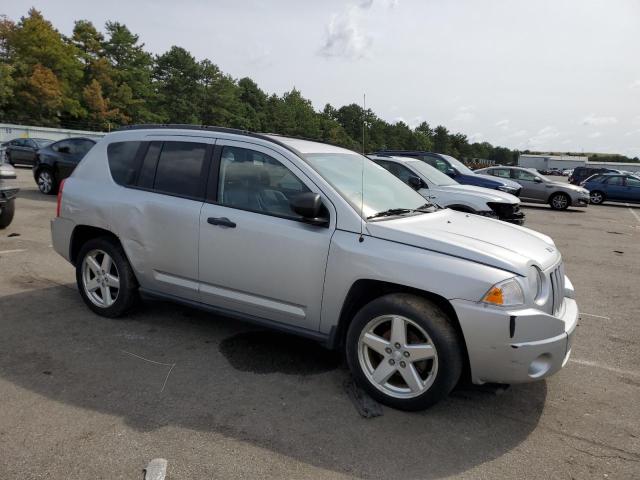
[{"x": 87, "y": 397}]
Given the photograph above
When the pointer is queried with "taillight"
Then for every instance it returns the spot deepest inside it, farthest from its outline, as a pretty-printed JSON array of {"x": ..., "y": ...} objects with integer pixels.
[{"x": 60, "y": 188}]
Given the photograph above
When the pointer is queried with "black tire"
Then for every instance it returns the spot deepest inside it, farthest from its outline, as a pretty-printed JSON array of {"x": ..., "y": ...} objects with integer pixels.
[
  {"x": 7, "y": 211},
  {"x": 127, "y": 295},
  {"x": 434, "y": 322},
  {"x": 597, "y": 197},
  {"x": 42, "y": 182},
  {"x": 560, "y": 201}
]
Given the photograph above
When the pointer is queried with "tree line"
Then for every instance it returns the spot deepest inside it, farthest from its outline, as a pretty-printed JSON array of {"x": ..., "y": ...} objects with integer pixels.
[{"x": 100, "y": 81}]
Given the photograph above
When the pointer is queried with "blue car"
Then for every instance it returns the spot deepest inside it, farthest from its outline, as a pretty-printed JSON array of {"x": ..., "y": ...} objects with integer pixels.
[
  {"x": 614, "y": 187},
  {"x": 458, "y": 170}
]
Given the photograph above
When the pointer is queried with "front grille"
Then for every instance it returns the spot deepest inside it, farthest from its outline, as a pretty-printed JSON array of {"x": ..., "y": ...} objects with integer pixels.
[
  {"x": 509, "y": 212},
  {"x": 557, "y": 288}
]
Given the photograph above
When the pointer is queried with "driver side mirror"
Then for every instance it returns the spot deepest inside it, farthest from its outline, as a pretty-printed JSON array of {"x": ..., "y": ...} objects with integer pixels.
[
  {"x": 416, "y": 183},
  {"x": 309, "y": 206},
  {"x": 537, "y": 180},
  {"x": 451, "y": 172}
]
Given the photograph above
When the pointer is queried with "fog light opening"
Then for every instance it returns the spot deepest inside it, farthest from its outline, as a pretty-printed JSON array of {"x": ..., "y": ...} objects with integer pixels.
[{"x": 540, "y": 366}]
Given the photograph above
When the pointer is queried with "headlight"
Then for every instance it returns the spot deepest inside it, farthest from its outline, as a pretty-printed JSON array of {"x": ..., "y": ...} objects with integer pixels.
[
  {"x": 506, "y": 293},
  {"x": 506, "y": 188},
  {"x": 534, "y": 282}
]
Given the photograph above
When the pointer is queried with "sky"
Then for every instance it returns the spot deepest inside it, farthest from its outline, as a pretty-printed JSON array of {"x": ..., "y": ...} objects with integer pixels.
[{"x": 549, "y": 75}]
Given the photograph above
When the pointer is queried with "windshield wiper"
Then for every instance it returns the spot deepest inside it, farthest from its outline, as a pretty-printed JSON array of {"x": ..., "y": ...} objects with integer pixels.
[{"x": 390, "y": 212}]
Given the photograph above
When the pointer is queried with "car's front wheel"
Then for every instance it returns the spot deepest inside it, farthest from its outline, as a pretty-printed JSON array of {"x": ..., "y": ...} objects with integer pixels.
[
  {"x": 105, "y": 278},
  {"x": 46, "y": 181},
  {"x": 404, "y": 351},
  {"x": 559, "y": 201},
  {"x": 596, "y": 197}
]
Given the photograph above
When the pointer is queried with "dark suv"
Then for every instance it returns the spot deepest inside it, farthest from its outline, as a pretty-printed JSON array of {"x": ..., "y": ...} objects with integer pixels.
[
  {"x": 457, "y": 170},
  {"x": 580, "y": 174}
]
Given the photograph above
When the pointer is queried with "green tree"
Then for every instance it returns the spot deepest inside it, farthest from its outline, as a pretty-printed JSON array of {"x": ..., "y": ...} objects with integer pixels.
[
  {"x": 220, "y": 102},
  {"x": 177, "y": 79},
  {"x": 441, "y": 140}
]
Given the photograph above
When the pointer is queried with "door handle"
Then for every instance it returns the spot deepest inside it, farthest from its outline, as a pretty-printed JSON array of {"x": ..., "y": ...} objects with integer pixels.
[{"x": 221, "y": 221}]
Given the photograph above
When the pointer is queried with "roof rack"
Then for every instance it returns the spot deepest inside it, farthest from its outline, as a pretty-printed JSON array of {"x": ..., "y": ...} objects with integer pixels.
[{"x": 235, "y": 131}]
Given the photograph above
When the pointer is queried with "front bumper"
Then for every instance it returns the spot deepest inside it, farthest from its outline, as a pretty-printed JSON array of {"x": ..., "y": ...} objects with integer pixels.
[
  {"x": 581, "y": 201},
  {"x": 507, "y": 212},
  {"x": 519, "y": 345}
]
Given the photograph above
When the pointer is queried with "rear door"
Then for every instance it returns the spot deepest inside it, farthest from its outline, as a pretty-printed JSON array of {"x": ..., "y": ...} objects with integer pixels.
[
  {"x": 69, "y": 159},
  {"x": 158, "y": 216},
  {"x": 632, "y": 193},
  {"x": 257, "y": 256}
]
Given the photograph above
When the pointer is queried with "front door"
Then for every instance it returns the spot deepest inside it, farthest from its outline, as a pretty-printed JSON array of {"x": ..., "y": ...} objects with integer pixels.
[
  {"x": 532, "y": 190},
  {"x": 614, "y": 188},
  {"x": 257, "y": 256}
]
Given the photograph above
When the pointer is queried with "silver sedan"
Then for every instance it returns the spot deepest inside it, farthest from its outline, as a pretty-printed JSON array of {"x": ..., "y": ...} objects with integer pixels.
[{"x": 539, "y": 189}]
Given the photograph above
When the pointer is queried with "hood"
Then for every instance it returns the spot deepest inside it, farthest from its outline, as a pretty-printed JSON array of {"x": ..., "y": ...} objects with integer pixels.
[
  {"x": 476, "y": 238},
  {"x": 486, "y": 194},
  {"x": 568, "y": 186},
  {"x": 499, "y": 180}
]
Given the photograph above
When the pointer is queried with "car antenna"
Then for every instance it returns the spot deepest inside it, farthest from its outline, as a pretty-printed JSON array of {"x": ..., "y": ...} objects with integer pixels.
[{"x": 364, "y": 113}]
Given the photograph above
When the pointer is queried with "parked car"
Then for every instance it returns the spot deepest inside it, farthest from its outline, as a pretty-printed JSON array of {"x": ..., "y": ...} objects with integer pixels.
[
  {"x": 580, "y": 174},
  {"x": 567, "y": 172},
  {"x": 554, "y": 171},
  {"x": 56, "y": 161},
  {"x": 319, "y": 241},
  {"x": 443, "y": 190},
  {"x": 613, "y": 187},
  {"x": 22, "y": 151},
  {"x": 457, "y": 170},
  {"x": 8, "y": 192},
  {"x": 539, "y": 189}
]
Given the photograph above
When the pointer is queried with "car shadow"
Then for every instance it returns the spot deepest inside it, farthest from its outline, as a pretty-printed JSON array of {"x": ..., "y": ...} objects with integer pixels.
[{"x": 167, "y": 365}]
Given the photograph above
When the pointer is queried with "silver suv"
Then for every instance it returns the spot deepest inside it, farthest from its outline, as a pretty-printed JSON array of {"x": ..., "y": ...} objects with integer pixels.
[
  {"x": 322, "y": 242},
  {"x": 8, "y": 192}
]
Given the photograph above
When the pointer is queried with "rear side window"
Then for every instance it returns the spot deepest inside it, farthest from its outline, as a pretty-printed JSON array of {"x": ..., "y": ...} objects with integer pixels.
[
  {"x": 122, "y": 162},
  {"x": 614, "y": 181},
  {"x": 179, "y": 168}
]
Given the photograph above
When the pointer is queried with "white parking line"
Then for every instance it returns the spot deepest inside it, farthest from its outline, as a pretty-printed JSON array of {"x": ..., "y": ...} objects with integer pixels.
[
  {"x": 633, "y": 212},
  {"x": 592, "y": 315},
  {"x": 13, "y": 251},
  {"x": 589, "y": 363}
]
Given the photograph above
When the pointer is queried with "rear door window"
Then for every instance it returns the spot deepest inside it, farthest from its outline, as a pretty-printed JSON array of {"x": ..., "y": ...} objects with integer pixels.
[
  {"x": 179, "y": 169},
  {"x": 501, "y": 172},
  {"x": 614, "y": 181}
]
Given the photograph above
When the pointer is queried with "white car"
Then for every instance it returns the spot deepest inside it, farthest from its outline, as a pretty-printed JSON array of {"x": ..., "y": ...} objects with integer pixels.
[{"x": 442, "y": 190}]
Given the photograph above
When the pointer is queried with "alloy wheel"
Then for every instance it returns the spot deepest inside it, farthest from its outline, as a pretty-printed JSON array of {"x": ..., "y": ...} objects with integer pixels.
[
  {"x": 596, "y": 197},
  {"x": 397, "y": 356},
  {"x": 45, "y": 181},
  {"x": 100, "y": 278},
  {"x": 560, "y": 202}
]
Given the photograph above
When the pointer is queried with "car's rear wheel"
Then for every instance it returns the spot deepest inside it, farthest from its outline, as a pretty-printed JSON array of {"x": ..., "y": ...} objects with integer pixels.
[
  {"x": 105, "y": 278},
  {"x": 404, "y": 351},
  {"x": 596, "y": 197},
  {"x": 7, "y": 212},
  {"x": 559, "y": 201},
  {"x": 46, "y": 181}
]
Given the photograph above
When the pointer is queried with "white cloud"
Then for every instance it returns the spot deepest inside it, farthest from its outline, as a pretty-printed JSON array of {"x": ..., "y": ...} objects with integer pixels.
[
  {"x": 346, "y": 37},
  {"x": 465, "y": 113},
  {"x": 519, "y": 133},
  {"x": 595, "y": 135},
  {"x": 544, "y": 135},
  {"x": 503, "y": 124},
  {"x": 594, "y": 120},
  {"x": 635, "y": 84},
  {"x": 476, "y": 137}
]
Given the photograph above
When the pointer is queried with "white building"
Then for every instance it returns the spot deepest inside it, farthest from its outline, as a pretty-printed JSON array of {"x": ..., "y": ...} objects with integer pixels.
[
  {"x": 546, "y": 162},
  {"x": 10, "y": 131}
]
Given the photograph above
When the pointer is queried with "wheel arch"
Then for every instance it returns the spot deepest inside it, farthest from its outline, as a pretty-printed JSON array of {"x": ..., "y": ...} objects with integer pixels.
[
  {"x": 364, "y": 291},
  {"x": 563, "y": 193},
  {"x": 82, "y": 234}
]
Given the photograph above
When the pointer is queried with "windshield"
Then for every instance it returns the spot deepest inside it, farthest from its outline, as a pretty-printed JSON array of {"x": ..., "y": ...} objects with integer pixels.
[
  {"x": 346, "y": 172},
  {"x": 42, "y": 142},
  {"x": 432, "y": 174},
  {"x": 458, "y": 165}
]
